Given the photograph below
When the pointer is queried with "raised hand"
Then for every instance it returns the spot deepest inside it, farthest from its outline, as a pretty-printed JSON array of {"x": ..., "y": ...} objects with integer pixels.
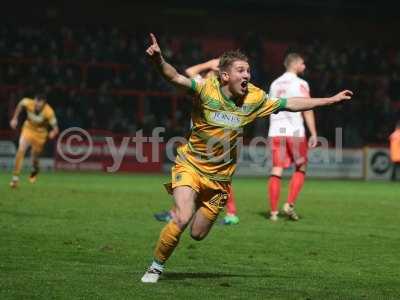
[
  {"x": 154, "y": 51},
  {"x": 343, "y": 95},
  {"x": 13, "y": 123},
  {"x": 213, "y": 64}
]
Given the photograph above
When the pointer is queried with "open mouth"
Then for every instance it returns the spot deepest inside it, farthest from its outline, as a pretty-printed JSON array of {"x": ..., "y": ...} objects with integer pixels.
[{"x": 244, "y": 84}]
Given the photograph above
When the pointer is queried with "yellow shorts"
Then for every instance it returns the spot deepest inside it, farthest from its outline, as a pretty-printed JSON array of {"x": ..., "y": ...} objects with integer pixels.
[
  {"x": 35, "y": 139},
  {"x": 212, "y": 195}
]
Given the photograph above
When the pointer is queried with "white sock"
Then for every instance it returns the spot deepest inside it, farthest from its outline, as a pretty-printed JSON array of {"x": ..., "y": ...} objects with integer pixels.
[
  {"x": 157, "y": 266},
  {"x": 15, "y": 178}
]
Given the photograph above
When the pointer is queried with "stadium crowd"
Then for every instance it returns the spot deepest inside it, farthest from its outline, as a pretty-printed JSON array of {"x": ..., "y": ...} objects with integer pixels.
[{"x": 86, "y": 67}]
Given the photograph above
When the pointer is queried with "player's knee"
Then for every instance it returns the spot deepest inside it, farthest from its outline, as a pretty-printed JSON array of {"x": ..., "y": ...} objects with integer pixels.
[
  {"x": 302, "y": 168},
  {"x": 181, "y": 222},
  {"x": 181, "y": 218},
  {"x": 277, "y": 171},
  {"x": 197, "y": 235},
  {"x": 22, "y": 149}
]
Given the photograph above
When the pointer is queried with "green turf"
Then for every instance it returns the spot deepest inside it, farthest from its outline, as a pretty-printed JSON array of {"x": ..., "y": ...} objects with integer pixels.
[{"x": 91, "y": 236}]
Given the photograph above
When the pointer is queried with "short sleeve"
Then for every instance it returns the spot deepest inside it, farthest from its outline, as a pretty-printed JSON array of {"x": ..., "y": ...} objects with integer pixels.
[
  {"x": 271, "y": 105},
  {"x": 272, "y": 90},
  {"x": 196, "y": 87},
  {"x": 304, "y": 89},
  {"x": 198, "y": 78},
  {"x": 23, "y": 102}
]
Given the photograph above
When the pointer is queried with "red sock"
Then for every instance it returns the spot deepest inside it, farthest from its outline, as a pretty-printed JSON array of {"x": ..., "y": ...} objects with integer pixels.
[
  {"x": 230, "y": 203},
  {"x": 296, "y": 183},
  {"x": 274, "y": 189}
]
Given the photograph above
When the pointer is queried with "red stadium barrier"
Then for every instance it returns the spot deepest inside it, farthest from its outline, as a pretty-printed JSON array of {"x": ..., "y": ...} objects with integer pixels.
[{"x": 75, "y": 151}]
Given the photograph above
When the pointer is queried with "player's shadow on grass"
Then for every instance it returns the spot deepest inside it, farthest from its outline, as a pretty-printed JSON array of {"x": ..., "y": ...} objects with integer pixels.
[
  {"x": 281, "y": 215},
  {"x": 263, "y": 214},
  {"x": 204, "y": 275}
]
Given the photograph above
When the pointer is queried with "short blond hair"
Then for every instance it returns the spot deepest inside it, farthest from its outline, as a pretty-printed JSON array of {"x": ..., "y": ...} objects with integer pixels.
[
  {"x": 290, "y": 58},
  {"x": 229, "y": 57}
]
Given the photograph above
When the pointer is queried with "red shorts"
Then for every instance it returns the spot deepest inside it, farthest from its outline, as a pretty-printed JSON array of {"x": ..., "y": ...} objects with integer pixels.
[{"x": 287, "y": 150}]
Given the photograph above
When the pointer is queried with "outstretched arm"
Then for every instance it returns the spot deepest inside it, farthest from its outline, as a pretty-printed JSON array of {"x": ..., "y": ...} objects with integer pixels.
[
  {"x": 54, "y": 126},
  {"x": 164, "y": 68},
  {"x": 301, "y": 104},
  {"x": 211, "y": 65}
]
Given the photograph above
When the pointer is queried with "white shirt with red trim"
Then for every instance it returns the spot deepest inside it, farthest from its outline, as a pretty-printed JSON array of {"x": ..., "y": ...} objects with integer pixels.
[{"x": 287, "y": 123}]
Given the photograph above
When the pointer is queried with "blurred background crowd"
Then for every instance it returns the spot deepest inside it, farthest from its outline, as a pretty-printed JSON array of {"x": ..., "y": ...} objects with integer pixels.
[{"x": 97, "y": 77}]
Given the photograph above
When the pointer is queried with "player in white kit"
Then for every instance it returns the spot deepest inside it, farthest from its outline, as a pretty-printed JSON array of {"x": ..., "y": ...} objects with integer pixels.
[{"x": 288, "y": 137}]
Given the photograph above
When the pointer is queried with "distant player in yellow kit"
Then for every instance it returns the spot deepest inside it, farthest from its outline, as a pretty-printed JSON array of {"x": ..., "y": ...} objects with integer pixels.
[
  {"x": 204, "y": 166},
  {"x": 34, "y": 133}
]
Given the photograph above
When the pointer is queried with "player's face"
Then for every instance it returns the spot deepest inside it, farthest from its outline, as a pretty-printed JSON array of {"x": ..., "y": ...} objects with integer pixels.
[
  {"x": 300, "y": 66},
  {"x": 238, "y": 78},
  {"x": 39, "y": 104}
]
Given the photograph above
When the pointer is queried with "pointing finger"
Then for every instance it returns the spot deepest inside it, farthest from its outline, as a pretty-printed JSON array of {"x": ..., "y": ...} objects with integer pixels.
[{"x": 153, "y": 38}]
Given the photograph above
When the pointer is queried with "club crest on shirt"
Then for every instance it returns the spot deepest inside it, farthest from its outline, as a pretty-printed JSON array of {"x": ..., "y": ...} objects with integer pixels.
[
  {"x": 247, "y": 108},
  {"x": 178, "y": 177},
  {"x": 215, "y": 104}
]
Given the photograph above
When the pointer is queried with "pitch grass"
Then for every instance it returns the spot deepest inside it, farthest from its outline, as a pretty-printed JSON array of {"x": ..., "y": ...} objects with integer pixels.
[{"x": 91, "y": 236}]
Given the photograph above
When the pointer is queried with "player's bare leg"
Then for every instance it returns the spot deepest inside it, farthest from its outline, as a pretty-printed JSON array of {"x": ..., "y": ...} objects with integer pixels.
[
  {"x": 182, "y": 213},
  {"x": 274, "y": 188},
  {"x": 296, "y": 183},
  {"x": 201, "y": 224},
  {"x": 19, "y": 159}
]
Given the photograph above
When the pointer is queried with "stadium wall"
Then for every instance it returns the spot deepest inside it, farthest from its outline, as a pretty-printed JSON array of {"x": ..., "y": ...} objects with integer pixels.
[{"x": 369, "y": 163}]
